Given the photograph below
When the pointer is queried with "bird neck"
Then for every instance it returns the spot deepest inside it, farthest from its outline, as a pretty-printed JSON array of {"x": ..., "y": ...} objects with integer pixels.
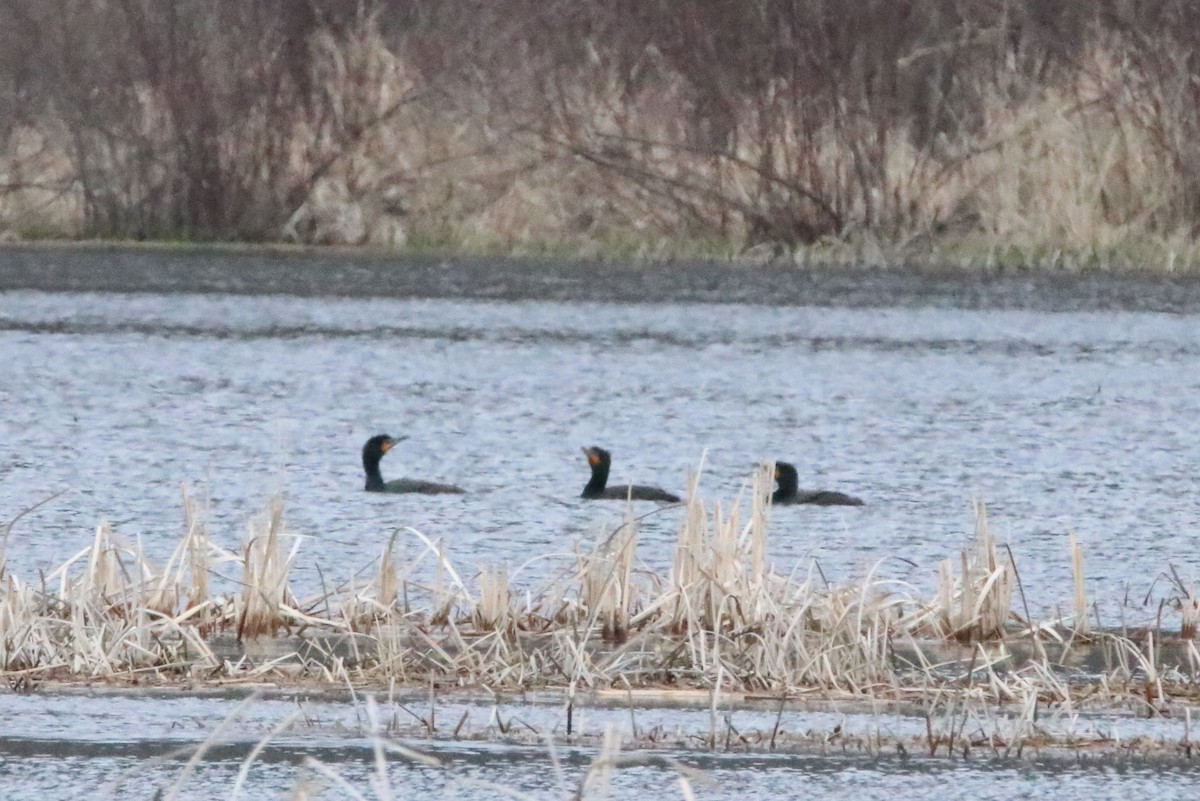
[
  {"x": 599, "y": 480},
  {"x": 374, "y": 477},
  {"x": 789, "y": 485}
]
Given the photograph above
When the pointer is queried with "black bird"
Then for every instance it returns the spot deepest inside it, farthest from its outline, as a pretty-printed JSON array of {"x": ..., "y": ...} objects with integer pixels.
[
  {"x": 788, "y": 491},
  {"x": 600, "y": 460},
  {"x": 373, "y": 451}
]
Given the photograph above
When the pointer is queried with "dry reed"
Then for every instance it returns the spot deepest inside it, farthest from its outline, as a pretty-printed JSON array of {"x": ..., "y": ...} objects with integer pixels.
[
  {"x": 1082, "y": 626},
  {"x": 977, "y": 605},
  {"x": 722, "y": 619}
]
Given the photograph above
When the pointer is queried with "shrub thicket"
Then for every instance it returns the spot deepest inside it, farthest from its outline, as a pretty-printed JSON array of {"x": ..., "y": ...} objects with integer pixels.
[{"x": 789, "y": 122}]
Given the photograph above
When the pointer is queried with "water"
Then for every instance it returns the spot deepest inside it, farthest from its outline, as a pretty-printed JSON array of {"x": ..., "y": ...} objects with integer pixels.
[
  {"x": 502, "y": 774},
  {"x": 1066, "y": 406},
  {"x": 1059, "y": 420},
  {"x": 132, "y": 746}
]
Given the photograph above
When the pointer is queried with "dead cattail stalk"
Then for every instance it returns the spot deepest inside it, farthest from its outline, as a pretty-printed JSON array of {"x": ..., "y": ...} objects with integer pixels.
[
  {"x": 606, "y": 588},
  {"x": 978, "y": 605},
  {"x": 198, "y": 546},
  {"x": 1082, "y": 625},
  {"x": 265, "y": 592},
  {"x": 388, "y": 582},
  {"x": 1189, "y": 607},
  {"x": 494, "y": 611}
]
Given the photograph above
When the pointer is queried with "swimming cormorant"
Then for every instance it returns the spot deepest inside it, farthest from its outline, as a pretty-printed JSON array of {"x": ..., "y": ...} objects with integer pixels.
[
  {"x": 374, "y": 450},
  {"x": 788, "y": 491},
  {"x": 600, "y": 461}
]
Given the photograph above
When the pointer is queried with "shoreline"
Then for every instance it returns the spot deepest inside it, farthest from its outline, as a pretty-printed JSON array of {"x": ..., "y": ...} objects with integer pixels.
[
  {"x": 956, "y": 257},
  {"x": 302, "y": 271},
  {"x": 866, "y": 732}
]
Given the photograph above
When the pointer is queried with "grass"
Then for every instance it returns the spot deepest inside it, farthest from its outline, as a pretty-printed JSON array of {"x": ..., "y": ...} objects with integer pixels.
[{"x": 721, "y": 622}]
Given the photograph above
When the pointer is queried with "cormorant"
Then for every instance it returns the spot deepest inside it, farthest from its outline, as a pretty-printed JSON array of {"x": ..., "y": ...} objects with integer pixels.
[
  {"x": 600, "y": 461},
  {"x": 374, "y": 450},
  {"x": 788, "y": 491}
]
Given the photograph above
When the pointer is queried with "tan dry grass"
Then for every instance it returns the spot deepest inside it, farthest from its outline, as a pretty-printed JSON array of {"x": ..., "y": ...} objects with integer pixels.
[
  {"x": 266, "y": 600},
  {"x": 977, "y": 605},
  {"x": 722, "y": 620}
]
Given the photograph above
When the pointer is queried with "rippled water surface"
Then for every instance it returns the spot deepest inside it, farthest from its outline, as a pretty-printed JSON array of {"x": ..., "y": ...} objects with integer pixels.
[
  {"x": 1060, "y": 420},
  {"x": 503, "y": 774},
  {"x": 1064, "y": 406},
  {"x": 133, "y": 747}
]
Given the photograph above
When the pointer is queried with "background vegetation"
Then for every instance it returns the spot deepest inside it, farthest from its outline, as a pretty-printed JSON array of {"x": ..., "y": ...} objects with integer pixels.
[{"x": 1036, "y": 131}]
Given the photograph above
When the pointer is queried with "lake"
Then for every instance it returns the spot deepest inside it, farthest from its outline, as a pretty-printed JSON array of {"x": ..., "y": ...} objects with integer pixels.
[{"x": 1066, "y": 404}]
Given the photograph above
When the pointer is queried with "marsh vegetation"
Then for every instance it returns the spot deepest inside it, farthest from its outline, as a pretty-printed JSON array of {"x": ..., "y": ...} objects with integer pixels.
[
  {"x": 876, "y": 133},
  {"x": 720, "y": 621}
]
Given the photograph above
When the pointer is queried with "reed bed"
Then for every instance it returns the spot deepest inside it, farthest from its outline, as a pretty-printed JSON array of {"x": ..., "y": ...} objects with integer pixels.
[{"x": 722, "y": 621}]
